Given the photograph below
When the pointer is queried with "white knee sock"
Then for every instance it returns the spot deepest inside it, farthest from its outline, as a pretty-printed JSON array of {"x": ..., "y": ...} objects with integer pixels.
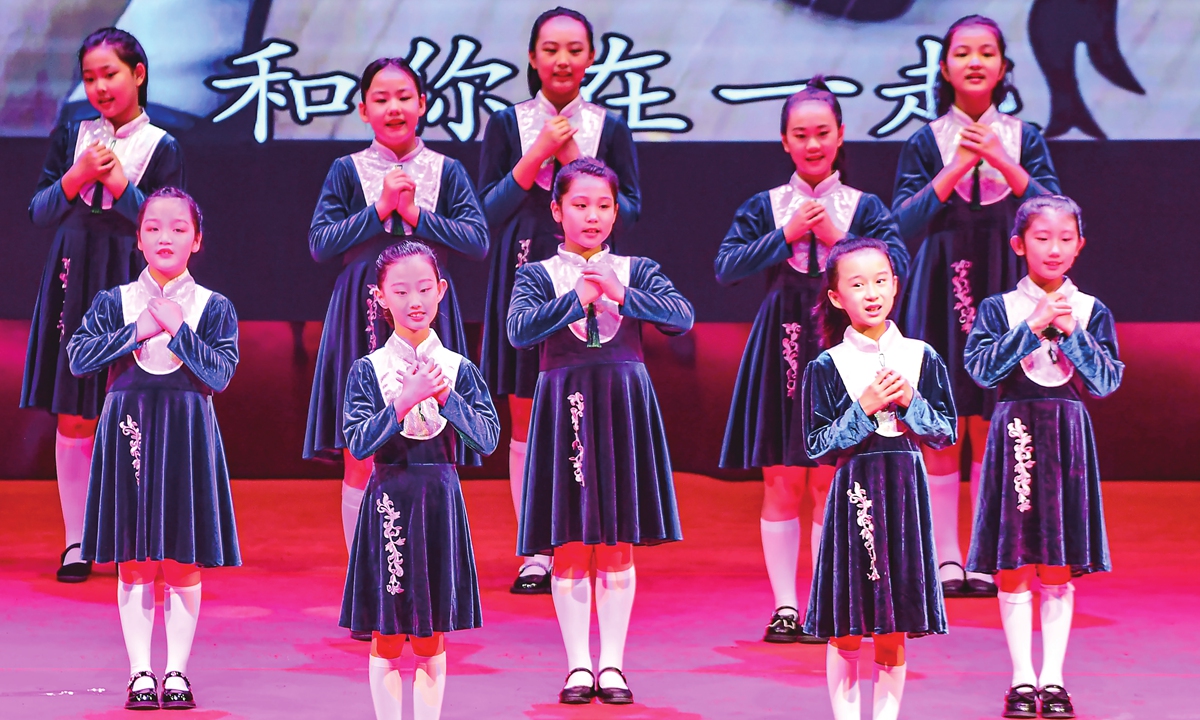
[
  {"x": 573, "y": 606},
  {"x": 943, "y": 506},
  {"x": 781, "y": 550},
  {"x": 516, "y": 486},
  {"x": 889, "y": 691},
  {"x": 135, "y": 605},
  {"x": 429, "y": 687},
  {"x": 73, "y": 460},
  {"x": 1058, "y": 606},
  {"x": 1016, "y": 615},
  {"x": 841, "y": 674},
  {"x": 352, "y": 499},
  {"x": 181, "y": 610},
  {"x": 816, "y": 531},
  {"x": 614, "y": 605},
  {"x": 387, "y": 688},
  {"x": 976, "y": 472}
]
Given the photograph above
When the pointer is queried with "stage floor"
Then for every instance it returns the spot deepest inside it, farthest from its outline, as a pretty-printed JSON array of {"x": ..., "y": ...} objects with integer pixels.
[{"x": 269, "y": 647}]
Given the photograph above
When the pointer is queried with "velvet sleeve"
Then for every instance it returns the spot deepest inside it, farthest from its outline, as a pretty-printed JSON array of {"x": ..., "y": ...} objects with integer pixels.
[
  {"x": 164, "y": 170},
  {"x": 335, "y": 228},
  {"x": 49, "y": 204},
  {"x": 1035, "y": 158},
  {"x": 752, "y": 244},
  {"x": 993, "y": 350},
  {"x": 367, "y": 420},
  {"x": 872, "y": 219},
  {"x": 914, "y": 202},
  {"x": 499, "y": 193},
  {"x": 102, "y": 337},
  {"x": 211, "y": 350},
  {"x": 931, "y": 415},
  {"x": 534, "y": 314},
  {"x": 622, "y": 158},
  {"x": 1093, "y": 352},
  {"x": 462, "y": 227},
  {"x": 470, "y": 410},
  {"x": 833, "y": 424},
  {"x": 652, "y": 298}
]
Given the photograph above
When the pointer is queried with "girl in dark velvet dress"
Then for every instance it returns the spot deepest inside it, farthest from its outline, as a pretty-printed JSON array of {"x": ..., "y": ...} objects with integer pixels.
[
  {"x": 869, "y": 402},
  {"x": 411, "y": 403},
  {"x": 598, "y": 477},
  {"x": 159, "y": 497},
  {"x": 1042, "y": 346},
  {"x": 959, "y": 182}
]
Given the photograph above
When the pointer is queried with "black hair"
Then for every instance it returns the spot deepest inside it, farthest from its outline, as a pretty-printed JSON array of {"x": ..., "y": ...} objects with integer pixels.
[
  {"x": 174, "y": 193},
  {"x": 580, "y": 167},
  {"x": 127, "y": 49},
  {"x": 942, "y": 87},
  {"x": 832, "y": 320},
  {"x": 816, "y": 89},
  {"x": 531, "y": 75},
  {"x": 368, "y": 74},
  {"x": 393, "y": 254},
  {"x": 1033, "y": 207}
]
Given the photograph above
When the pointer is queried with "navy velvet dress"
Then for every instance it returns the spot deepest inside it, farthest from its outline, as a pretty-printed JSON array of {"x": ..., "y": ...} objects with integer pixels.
[
  {"x": 159, "y": 487},
  {"x": 964, "y": 254},
  {"x": 90, "y": 252},
  {"x": 346, "y": 226},
  {"x": 412, "y": 569},
  {"x": 877, "y": 568},
  {"x": 598, "y": 469},
  {"x": 522, "y": 227},
  {"x": 1039, "y": 496},
  {"x": 784, "y": 337}
]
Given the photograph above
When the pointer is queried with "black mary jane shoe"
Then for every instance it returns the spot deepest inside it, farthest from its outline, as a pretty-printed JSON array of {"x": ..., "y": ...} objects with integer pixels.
[
  {"x": 957, "y": 587},
  {"x": 361, "y": 635},
  {"x": 1021, "y": 702},
  {"x": 981, "y": 588},
  {"x": 142, "y": 699},
  {"x": 1056, "y": 702},
  {"x": 578, "y": 694},
  {"x": 784, "y": 628},
  {"x": 531, "y": 583},
  {"x": 614, "y": 696},
  {"x": 75, "y": 572},
  {"x": 177, "y": 699}
]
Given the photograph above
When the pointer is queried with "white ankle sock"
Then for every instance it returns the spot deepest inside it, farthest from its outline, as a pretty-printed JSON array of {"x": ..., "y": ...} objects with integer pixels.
[
  {"x": 1058, "y": 607},
  {"x": 387, "y": 688},
  {"x": 429, "y": 687},
  {"x": 841, "y": 675},
  {"x": 135, "y": 605},
  {"x": 889, "y": 690},
  {"x": 73, "y": 460},
  {"x": 573, "y": 606},
  {"x": 614, "y": 605},
  {"x": 1016, "y": 615},
  {"x": 181, "y": 610},
  {"x": 943, "y": 506},
  {"x": 781, "y": 550},
  {"x": 976, "y": 472},
  {"x": 352, "y": 499}
]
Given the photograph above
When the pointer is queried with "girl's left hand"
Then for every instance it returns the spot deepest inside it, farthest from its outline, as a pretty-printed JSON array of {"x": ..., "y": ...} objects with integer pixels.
[
  {"x": 606, "y": 278},
  {"x": 114, "y": 180},
  {"x": 568, "y": 152},
  {"x": 443, "y": 384},
  {"x": 983, "y": 141},
  {"x": 1065, "y": 321},
  {"x": 822, "y": 225},
  {"x": 168, "y": 314},
  {"x": 897, "y": 381},
  {"x": 406, "y": 197}
]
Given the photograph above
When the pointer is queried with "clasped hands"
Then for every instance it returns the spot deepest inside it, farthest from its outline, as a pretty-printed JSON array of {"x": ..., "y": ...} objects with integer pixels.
[
  {"x": 420, "y": 381},
  {"x": 887, "y": 389},
  {"x": 599, "y": 281},
  {"x": 161, "y": 315}
]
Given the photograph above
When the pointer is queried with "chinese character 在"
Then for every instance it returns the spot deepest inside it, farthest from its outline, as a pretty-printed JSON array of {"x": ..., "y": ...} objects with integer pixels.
[
  {"x": 639, "y": 96},
  {"x": 460, "y": 84},
  {"x": 740, "y": 94}
]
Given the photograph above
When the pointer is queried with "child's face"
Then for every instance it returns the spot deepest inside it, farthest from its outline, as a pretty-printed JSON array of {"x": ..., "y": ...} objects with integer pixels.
[
  {"x": 866, "y": 288},
  {"x": 974, "y": 64},
  {"x": 111, "y": 85},
  {"x": 812, "y": 139},
  {"x": 587, "y": 213},
  {"x": 167, "y": 236},
  {"x": 561, "y": 55},
  {"x": 411, "y": 291},
  {"x": 393, "y": 107},
  {"x": 1050, "y": 245}
]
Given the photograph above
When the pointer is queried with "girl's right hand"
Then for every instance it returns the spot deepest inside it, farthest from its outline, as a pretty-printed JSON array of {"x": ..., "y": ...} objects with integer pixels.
[
  {"x": 1047, "y": 309},
  {"x": 95, "y": 162},
  {"x": 964, "y": 157},
  {"x": 885, "y": 389},
  {"x": 394, "y": 182},
  {"x": 147, "y": 325},
  {"x": 588, "y": 291},
  {"x": 807, "y": 216},
  {"x": 555, "y": 133},
  {"x": 421, "y": 381}
]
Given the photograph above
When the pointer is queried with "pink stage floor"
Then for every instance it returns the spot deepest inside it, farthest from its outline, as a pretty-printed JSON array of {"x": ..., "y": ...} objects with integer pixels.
[{"x": 269, "y": 646}]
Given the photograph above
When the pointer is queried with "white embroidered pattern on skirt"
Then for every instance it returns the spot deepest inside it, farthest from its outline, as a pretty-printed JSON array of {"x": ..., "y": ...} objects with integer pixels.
[
  {"x": 962, "y": 293},
  {"x": 858, "y": 497},
  {"x": 130, "y": 429},
  {"x": 523, "y": 253},
  {"x": 791, "y": 353},
  {"x": 576, "y": 401},
  {"x": 62, "y": 277},
  {"x": 372, "y": 316},
  {"x": 1022, "y": 461},
  {"x": 392, "y": 542}
]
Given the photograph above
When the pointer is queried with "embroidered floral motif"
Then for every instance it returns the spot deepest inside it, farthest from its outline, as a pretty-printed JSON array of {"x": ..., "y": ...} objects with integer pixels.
[
  {"x": 392, "y": 543},
  {"x": 1023, "y": 460},
  {"x": 962, "y": 292},
  {"x": 523, "y": 253},
  {"x": 62, "y": 277},
  {"x": 858, "y": 497},
  {"x": 372, "y": 316},
  {"x": 791, "y": 352},
  {"x": 576, "y": 400},
  {"x": 130, "y": 429}
]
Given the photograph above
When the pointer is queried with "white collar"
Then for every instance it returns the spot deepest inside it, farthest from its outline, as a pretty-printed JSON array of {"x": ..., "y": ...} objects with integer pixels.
[
  {"x": 1027, "y": 287},
  {"x": 989, "y": 116},
  {"x": 571, "y": 109},
  {"x": 427, "y": 347},
  {"x": 388, "y": 154},
  {"x": 891, "y": 336},
  {"x": 175, "y": 289},
  {"x": 823, "y": 189},
  {"x": 128, "y": 128},
  {"x": 576, "y": 260}
]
